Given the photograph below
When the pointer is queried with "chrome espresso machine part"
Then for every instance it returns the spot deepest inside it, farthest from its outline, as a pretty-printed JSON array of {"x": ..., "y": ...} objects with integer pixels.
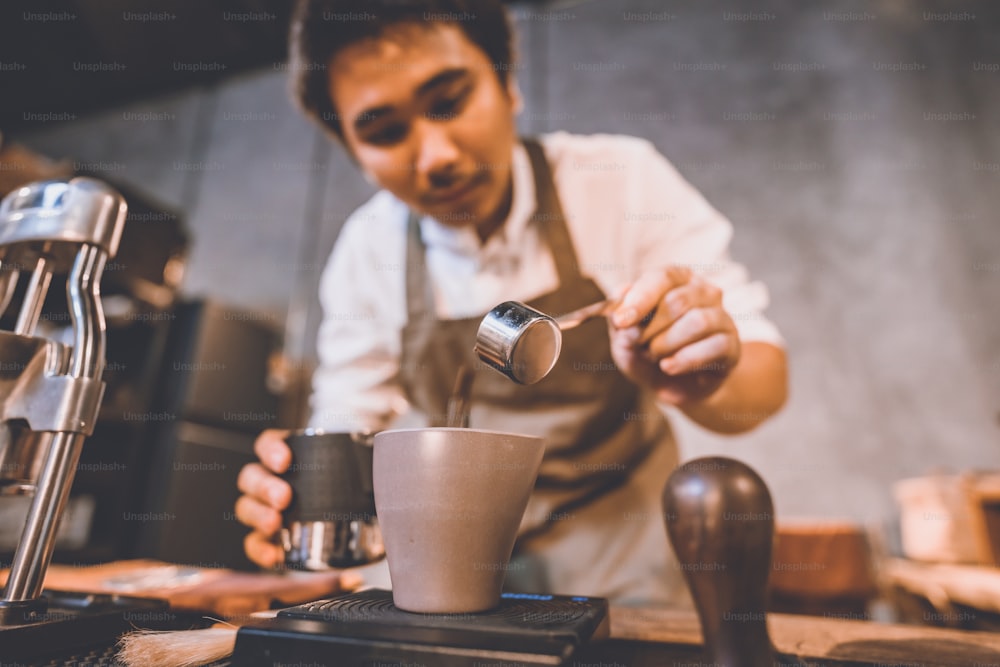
[{"x": 50, "y": 391}]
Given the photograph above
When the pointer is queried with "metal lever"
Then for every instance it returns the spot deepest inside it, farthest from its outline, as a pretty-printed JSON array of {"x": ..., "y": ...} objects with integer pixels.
[{"x": 55, "y": 390}]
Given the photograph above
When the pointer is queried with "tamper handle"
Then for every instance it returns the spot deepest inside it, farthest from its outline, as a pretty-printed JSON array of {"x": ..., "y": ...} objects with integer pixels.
[{"x": 720, "y": 520}]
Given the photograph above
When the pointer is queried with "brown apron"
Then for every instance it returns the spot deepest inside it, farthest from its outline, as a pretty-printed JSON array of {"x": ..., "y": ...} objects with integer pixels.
[{"x": 594, "y": 524}]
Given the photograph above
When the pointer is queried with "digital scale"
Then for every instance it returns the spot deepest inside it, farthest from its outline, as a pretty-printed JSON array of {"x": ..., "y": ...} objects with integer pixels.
[{"x": 365, "y": 629}]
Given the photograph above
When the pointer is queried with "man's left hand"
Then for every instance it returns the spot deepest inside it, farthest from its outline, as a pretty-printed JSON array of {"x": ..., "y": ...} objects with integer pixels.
[{"x": 670, "y": 333}]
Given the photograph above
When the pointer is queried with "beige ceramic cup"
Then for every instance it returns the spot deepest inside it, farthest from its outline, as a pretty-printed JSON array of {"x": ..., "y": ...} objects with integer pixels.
[{"x": 449, "y": 503}]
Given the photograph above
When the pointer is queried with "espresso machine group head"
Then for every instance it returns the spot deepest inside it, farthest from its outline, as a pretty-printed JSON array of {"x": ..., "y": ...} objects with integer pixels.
[{"x": 50, "y": 390}]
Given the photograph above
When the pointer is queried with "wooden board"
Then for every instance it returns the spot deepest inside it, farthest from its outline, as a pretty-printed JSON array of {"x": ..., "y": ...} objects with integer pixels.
[
  {"x": 815, "y": 637},
  {"x": 227, "y": 593},
  {"x": 945, "y": 584}
]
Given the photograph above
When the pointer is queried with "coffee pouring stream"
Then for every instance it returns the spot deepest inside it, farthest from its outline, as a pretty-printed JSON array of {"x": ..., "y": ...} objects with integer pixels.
[
  {"x": 458, "y": 401},
  {"x": 720, "y": 521}
]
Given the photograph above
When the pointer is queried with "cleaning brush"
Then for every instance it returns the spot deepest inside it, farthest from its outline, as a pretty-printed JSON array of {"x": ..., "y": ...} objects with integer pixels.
[
  {"x": 180, "y": 648},
  {"x": 191, "y": 648}
]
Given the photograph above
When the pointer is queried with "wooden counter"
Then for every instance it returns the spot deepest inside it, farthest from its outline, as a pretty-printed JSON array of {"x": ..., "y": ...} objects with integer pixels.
[
  {"x": 827, "y": 641},
  {"x": 639, "y": 637}
]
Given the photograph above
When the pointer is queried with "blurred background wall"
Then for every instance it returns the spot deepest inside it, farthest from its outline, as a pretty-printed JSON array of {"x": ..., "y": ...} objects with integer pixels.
[{"x": 854, "y": 145}]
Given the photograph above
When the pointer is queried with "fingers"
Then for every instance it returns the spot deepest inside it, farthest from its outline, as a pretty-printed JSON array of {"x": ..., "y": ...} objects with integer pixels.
[
  {"x": 678, "y": 302},
  {"x": 679, "y": 308},
  {"x": 262, "y": 551},
  {"x": 260, "y": 509},
  {"x": 717, "y": 353},
  {"x": 693, "y": 326},
  {"x": 271, "y": 449},
  {"x": 673, "y": 322},
  {"x": 262, "y": 485},
  {"x": 265, "y": 495},
  {"x": 646, "y": 295},
  {"x": 257, "y": 515}
]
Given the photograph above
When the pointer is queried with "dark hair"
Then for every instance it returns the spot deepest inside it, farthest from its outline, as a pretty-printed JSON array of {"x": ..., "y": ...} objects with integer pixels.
[{"x": 321, "y": 28}]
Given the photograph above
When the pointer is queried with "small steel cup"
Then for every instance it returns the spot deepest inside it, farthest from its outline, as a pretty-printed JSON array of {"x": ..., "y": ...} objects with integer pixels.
[
  {"x": 331, "y": 520},
  {"x": 519, "y": 341}
]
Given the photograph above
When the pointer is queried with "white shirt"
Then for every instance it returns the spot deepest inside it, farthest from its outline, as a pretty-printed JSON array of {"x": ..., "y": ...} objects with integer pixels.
[{"x": 628, "y": 211}]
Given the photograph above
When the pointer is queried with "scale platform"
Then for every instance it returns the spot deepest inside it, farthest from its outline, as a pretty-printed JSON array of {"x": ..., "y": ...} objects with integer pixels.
[{"x": 365, "y": 629}]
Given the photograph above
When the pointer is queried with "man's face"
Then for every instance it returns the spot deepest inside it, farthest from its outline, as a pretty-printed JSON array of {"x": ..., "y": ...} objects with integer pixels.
[{"x": 427, "y": 118}]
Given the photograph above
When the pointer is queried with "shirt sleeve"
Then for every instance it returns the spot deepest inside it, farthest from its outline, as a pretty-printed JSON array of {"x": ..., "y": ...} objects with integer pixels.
[
  {"x": 356, "y": 385},
  {"x": 675, "y": 225}
]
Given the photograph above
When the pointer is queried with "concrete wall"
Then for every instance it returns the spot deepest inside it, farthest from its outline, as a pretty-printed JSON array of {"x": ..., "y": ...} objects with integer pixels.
[{"x": 854, "y": 145}]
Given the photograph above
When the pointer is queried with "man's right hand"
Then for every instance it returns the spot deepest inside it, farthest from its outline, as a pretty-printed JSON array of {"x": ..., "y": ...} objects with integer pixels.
[{"x": 264, "y": 497}]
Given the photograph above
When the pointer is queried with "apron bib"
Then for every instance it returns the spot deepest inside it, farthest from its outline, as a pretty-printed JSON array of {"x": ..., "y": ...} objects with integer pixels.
[{"x": 594, "y": 524}]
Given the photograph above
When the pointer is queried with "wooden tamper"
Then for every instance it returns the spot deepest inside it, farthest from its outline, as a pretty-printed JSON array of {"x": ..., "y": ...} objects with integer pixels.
[{"x": 720, "y": 520}]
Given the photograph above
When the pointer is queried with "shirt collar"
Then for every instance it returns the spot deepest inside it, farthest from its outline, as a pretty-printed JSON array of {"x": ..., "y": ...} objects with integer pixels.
[{"x": 465, "y": 241}]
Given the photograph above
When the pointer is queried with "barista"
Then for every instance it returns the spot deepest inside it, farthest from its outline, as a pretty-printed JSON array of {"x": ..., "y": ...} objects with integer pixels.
[{"x": 421, "y": 96}]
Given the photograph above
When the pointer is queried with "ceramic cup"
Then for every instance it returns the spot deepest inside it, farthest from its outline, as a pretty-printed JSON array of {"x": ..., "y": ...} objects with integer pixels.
[{"x": 449, "y": 502}]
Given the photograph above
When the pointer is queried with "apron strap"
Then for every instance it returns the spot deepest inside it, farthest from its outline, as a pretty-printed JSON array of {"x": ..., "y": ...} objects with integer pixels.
[
  {"x": 549, "y": 214},
  {"x": 419, "y": 291}
]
